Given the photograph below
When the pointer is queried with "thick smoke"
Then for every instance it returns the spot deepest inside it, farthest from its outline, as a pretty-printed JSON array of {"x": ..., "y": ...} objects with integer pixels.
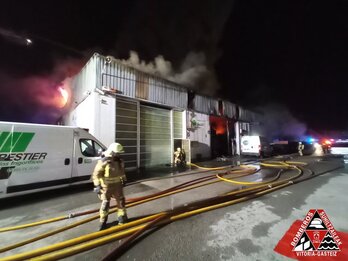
[
  {"x": 36, "y": 98},
  {"x": 191, "y": 72},
  {"x": 279, "y": 123},
  {"x": 186, "y": 33}
]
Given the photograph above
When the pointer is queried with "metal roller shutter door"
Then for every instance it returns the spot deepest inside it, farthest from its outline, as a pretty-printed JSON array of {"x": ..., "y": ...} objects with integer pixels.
[
  {"x": 177, "y": 124},
  {"x": 126, "y": 130},
  {"x": 155, "y": 136}
]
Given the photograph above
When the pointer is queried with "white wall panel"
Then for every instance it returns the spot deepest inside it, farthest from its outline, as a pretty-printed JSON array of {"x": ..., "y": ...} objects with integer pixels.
[{"x": 199, "y": 134}]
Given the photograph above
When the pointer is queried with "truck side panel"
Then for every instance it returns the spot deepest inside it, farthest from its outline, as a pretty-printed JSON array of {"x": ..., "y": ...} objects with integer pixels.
[
  {"x": 250, "y": 145},
  {"x": 34, "y": 157}
]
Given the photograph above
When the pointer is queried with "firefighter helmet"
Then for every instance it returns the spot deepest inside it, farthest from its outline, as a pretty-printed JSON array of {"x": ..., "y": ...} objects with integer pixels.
[{"x": 114, "y": 148}]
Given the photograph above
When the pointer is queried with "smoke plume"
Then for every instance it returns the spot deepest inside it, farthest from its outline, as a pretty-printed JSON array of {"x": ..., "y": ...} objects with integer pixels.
[
  {"x": 192, "y": 73},
  {"x": 186, "y": 33},
  {"x": 279, "y": 123},
  {"x": 36, "y": 98}
]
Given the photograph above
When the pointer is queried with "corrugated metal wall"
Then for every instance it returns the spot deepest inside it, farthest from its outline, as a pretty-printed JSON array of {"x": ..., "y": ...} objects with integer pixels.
[
  {"x": 230, "y": 109},
  {"x": 114, "y": 75},
  {"x": 246, "y": 115},
  {"x": 205, "y": 105},
  {"x": 167, "y": 93},
  {"x": 136, "y": 84},
  {"x": 107, "y": 71}
]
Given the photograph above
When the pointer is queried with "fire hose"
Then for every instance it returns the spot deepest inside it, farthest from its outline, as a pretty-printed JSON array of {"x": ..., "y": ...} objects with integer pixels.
[
  {"x": 46, "y": 253},
  {"x": 132, "y": 202},
  {"x": 128, "y": 201},
  {"x": 159, "y": 219}
]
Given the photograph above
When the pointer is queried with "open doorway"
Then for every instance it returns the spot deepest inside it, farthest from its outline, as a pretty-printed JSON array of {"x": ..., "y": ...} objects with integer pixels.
[{"x": 219, "y": 136}]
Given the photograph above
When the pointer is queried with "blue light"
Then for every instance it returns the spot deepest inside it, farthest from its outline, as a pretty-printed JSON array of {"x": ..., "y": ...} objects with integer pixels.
[{"x": 310, "y": 140}]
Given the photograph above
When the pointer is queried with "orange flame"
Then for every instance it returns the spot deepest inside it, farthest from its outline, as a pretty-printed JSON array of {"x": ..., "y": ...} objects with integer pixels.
[
  {"x": 65, "y": 97},
  {"x": 218, "y": 124},
  {"x": 220, "y": 129}
]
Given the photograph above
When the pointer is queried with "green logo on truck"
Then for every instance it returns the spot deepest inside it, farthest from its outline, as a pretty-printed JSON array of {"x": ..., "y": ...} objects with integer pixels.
[
  {"x": 15, "y": 141},
  {"x": 13, "y": 146}
]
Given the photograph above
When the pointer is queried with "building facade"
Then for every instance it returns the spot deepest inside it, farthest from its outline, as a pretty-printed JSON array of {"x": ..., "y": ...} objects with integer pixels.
[{"x": 148, "y": 115}]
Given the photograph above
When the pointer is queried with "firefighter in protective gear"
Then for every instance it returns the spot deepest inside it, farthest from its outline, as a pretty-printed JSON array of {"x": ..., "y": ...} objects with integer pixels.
[
  {"x": 300, "y": 148},
  {"x": 179, "y": 158},
  {"x": 109, "y": 178}
]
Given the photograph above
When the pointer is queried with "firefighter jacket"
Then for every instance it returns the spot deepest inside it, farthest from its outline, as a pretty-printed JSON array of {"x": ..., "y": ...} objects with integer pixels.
[{"x": 108, "y": 171}]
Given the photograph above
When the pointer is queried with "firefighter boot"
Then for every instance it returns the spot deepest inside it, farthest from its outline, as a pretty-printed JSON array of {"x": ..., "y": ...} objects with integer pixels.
[
  {"x": 102, "y": 224},
  {"x": 104, "y": 212},
  {"x": 122, "y": 216}
]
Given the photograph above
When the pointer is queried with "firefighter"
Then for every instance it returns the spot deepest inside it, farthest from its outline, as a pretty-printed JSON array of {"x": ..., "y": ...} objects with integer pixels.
[
  {"x": 109, "y": 178},
  {"x": 300, "y": 148},
  {"x": 325, "y": 145},
  {"x": 179, "y": 157}
]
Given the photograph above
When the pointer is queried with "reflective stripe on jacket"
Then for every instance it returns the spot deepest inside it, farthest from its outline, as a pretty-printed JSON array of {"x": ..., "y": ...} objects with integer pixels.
[{"x": 108, "y": 171}]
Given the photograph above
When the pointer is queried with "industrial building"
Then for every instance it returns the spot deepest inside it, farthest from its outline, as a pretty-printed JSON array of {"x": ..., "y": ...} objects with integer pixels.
[{"x": 152, "y": 116}]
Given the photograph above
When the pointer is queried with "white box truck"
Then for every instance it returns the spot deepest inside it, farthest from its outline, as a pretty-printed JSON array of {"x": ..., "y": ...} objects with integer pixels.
[{"x": 35, "y": 157}]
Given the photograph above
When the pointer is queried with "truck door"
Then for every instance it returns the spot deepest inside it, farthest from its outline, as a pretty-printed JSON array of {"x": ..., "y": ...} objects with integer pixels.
[{"x": 87, "y": 152}]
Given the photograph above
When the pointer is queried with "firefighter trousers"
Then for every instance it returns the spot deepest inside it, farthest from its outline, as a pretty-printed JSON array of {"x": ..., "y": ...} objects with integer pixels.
[{"x": 112, "y": 191}]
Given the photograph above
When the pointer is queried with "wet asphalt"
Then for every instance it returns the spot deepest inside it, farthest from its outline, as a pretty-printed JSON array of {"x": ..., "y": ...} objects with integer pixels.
[{"x": 245, "y": 231}]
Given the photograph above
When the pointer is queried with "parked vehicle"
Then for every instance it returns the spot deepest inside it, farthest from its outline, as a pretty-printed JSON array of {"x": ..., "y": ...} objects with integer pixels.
[
  {"x": 255, "y": 146},
  {"x": 36, "y": 157},
  {"x": 340, "y": 147},
  {"x": 309, "y": 148}
]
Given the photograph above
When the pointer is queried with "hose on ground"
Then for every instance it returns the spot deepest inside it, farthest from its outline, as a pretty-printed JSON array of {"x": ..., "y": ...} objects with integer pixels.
[
  {"x": 90, "y": 245},
  {"x": 140, "y": 201},
  {"x": 47, "y": 253},
  {"x": 113, "y": 255},
  {"x": 72, "y": 215},
  {"x": 207, "y": 168}
]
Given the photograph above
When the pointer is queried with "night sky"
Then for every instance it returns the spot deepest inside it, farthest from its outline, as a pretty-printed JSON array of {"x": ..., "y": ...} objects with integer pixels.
[{"x": 286, "y": 54}]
